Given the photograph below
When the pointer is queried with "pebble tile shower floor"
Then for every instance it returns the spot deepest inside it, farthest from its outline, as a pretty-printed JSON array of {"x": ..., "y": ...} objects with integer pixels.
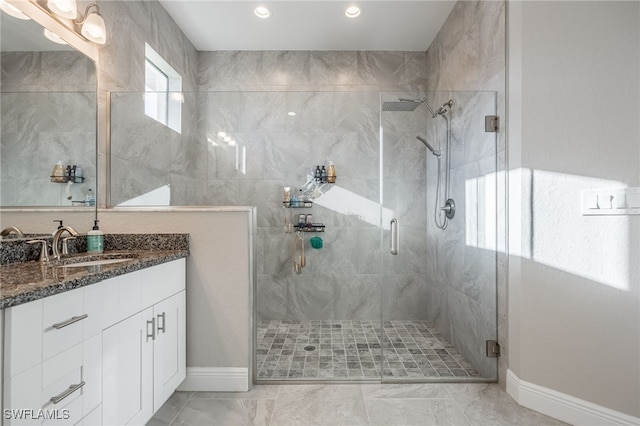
[{"x": 351, "y": 350}]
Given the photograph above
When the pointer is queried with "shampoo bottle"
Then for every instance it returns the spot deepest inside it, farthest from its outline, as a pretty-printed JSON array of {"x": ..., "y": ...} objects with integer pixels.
[
  {"x": 95, "y": 239},
  {"x": 331, "y": 173},
  {"x": 57, "y": 175}
]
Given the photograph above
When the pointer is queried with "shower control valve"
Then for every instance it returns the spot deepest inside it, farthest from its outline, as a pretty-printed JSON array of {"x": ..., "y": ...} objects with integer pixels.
[{"x": 449, "y": 208}]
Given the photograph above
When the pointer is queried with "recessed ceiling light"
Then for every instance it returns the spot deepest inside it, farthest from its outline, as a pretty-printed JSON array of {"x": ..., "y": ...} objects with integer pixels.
[
  {"x": 352, "y": 12},
  {"x": 221, "y": 135},
  {"x": 262, "y": 12},
  {"x": 291, "y": 114}
]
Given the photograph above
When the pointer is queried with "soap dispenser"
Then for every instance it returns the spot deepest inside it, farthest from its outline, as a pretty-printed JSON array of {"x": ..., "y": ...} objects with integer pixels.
[{"x": 95, "y": 239}]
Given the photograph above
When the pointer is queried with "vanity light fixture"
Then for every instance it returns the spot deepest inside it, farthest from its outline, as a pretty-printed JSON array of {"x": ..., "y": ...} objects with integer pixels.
[
  {"x": 262, "y": 12},
  {"x": 54, "y": 37},
  {"x": 10, "y": 9},
  {"x": 63, "y": 8},
  {"x": 352, "y": 12},
  {"x": 93, "y": 26}
]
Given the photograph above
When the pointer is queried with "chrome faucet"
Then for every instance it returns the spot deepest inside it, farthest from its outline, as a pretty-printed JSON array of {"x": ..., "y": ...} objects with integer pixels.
[
  {"x": 55, "y": 251},
  {"x": 12, "y": 230}
]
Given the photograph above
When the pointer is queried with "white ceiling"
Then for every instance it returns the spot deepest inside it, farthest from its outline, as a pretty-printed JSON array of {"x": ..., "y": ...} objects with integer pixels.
[{"x": 310, "y": 25}]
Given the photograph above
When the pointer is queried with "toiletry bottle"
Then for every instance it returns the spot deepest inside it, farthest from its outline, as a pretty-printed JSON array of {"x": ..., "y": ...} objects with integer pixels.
[
  {"x": 57, "y": 175},
  {"x": 90, "y": 199},
  {"x": 318, "y": 174},
  {"x": 323, "y": 175},
  {"x": 95, "y": 239},
  {"x": 331, "y": 173},
  {"x": 79, "y": 174},
  {"x": 287, "y": 196}
]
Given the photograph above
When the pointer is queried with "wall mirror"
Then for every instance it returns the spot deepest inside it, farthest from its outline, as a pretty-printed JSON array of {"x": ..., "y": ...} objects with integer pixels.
[{"x": 47, "y": 115}]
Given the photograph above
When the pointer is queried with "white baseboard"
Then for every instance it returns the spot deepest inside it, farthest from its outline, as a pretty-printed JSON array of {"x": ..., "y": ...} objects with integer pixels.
[
  {"x": 564, "y": 407},
  {"x": 216, "y": 379}
]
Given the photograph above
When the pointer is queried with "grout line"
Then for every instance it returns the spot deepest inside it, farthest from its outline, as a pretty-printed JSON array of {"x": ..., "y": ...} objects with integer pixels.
[
  {"x": 366, "y": 405},
  {"x": 172, "y": 422}
]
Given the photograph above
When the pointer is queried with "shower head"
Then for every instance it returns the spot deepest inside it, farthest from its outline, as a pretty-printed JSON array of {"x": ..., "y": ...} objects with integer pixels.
[
  {"x": 435, "y": 152},
  {"x": 404, "y": 104},
  {"x": 400, "y": 105}
]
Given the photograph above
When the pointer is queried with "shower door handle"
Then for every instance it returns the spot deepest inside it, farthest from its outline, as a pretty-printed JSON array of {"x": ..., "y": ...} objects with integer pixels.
[{"x": 394, "y": 237}]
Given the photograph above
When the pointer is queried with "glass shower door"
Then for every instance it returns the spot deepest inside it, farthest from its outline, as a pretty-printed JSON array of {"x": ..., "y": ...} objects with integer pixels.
[{"x": 439, "y": 285}]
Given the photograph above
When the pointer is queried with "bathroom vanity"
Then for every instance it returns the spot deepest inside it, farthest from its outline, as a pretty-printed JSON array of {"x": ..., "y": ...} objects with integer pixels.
[{"x": 96, "y": 339}]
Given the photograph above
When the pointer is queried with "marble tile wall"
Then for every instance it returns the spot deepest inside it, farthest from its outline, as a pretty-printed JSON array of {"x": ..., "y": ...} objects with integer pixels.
[
  {"x": 469, "y": 54},
  {"x": 145, "y": 155},
  {"x": 48, "y": 114},
  {"x": 336, "y": 96}
]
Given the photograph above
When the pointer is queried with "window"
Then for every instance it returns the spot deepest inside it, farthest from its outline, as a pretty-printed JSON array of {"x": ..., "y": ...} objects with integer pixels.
[{"x": 163, "y": 91}]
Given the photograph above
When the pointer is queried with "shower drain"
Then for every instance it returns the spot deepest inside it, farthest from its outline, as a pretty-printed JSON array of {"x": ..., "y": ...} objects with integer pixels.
[{"x": 309, "y": 348}]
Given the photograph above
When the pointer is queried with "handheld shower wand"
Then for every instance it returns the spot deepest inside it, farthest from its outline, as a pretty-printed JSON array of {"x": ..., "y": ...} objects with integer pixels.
[{"x": 435, "y": 152}]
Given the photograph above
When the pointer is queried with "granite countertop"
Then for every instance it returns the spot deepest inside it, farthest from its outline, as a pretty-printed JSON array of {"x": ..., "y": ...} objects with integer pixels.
[{"x": 26, "y": 281}]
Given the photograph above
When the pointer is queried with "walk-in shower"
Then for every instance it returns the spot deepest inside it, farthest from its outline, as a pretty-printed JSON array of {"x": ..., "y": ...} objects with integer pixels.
[{"x": 357, "y": 312}]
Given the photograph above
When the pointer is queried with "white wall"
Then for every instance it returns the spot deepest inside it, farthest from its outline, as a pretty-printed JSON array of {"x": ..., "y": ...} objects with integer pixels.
[{"x": 574, "y": 108}]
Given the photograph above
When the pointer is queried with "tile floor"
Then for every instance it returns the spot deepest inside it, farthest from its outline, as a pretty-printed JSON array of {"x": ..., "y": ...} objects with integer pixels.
[
  {"x": 351, "y": 350},
  {"x": 350, "y": 405}
]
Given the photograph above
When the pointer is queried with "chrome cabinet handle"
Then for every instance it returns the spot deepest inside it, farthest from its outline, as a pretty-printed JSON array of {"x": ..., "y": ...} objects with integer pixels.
[
  {"x": 162, "y": 328},
  {"x": 394, "y": 237},
  {"x": 66, "y": 393},
  {"x": 70, "y": 321},
  {"x": 151, "y": 322}
]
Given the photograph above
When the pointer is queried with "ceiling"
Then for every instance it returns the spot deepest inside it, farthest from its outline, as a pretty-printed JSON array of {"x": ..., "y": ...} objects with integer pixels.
[{"x": 310, "y": 25}]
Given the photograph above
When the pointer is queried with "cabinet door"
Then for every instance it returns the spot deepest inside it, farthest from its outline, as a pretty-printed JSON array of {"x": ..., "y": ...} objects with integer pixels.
[
  {"x": 127, "y": 371},
  {"x": 169, "y": 350}
]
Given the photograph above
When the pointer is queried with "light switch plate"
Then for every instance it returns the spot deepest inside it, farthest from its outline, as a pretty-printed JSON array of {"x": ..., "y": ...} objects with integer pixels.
[{"x": 614, "y": 201}]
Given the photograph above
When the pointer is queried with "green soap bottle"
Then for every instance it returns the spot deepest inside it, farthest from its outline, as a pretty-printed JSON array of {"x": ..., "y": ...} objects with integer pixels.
[{"x": 95, "y": 239}]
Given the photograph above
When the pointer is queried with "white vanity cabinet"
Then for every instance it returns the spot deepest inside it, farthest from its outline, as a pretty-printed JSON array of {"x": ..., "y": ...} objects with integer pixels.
[
  {"x": 53, "y": 358},
  {"x": 109, "y": 353},
  {"x": 144, "y": 349}
]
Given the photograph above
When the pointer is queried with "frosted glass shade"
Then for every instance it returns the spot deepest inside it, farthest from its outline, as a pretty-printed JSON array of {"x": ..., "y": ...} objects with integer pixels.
[
  {"x": 94, "y": 29},
  {"x": 63, "y": 8}
]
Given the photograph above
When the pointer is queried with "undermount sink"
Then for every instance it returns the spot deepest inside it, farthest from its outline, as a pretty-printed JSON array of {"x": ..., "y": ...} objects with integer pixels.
[
  {"x": 94, "y": 259},
  {"x": 95, "y": 262}
]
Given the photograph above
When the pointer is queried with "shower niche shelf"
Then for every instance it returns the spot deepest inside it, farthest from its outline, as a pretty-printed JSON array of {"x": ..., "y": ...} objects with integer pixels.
[
  {"x": 67, "y": 179},
  {"x": 314, "y": 227}
]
